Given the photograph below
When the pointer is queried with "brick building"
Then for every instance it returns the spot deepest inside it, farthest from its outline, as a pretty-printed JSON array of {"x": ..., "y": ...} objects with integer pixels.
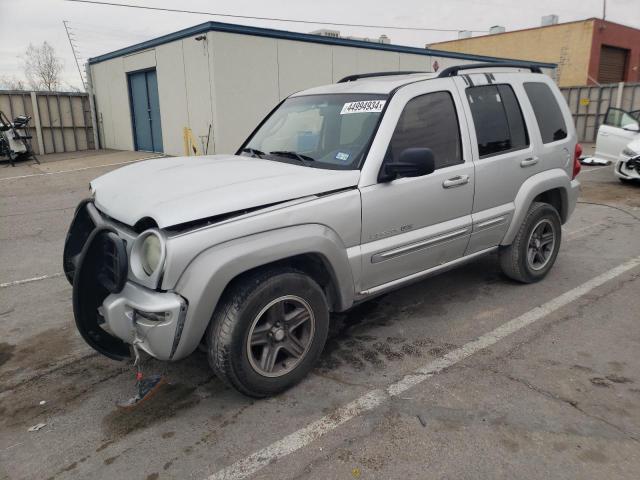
[{"x": 587, "y": 52}]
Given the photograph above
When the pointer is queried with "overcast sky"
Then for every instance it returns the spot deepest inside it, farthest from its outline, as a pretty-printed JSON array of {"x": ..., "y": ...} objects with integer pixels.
[{"x": 100, "y": 29}]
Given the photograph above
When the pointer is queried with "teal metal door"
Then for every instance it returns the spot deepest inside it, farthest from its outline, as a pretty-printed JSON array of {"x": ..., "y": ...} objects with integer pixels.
[{"x": 145, "y": 111}]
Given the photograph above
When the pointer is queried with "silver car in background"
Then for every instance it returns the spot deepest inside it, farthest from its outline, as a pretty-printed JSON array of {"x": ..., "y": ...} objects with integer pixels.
[{"x": 344, "y": 192}]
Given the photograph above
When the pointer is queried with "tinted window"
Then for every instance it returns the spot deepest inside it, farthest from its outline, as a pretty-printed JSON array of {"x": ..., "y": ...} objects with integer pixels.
[
  {"x": 548, "y": 113},
  {"x": 429, "y": 121},
  {"x": 498, "y": 119}
]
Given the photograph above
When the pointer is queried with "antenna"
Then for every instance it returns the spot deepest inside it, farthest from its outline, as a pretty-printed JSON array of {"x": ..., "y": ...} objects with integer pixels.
[
  {"x": 75, "y": 53},
  {"x": 604, "y": 9}
]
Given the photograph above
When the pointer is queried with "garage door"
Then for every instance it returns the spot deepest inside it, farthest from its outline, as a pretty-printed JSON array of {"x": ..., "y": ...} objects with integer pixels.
[{"x": 613, "y": 62}]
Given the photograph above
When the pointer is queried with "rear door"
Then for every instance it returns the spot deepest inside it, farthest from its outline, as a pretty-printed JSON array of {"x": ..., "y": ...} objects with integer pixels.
[
  {"x": 503, "y": 153},
  {"x": 612, "y": 136}
]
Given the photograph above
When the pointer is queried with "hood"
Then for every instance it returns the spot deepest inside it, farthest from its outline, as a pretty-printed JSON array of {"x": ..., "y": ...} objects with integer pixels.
[
  {"x": 634, "y": 146},
  {"x": 178, "y": 190}
]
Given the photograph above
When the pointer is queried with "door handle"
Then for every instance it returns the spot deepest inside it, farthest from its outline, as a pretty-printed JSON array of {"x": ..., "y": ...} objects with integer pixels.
[
  {"x": 604, "y": 134},
  {"x": 527, "y": 162},
  {"x": 456, "y": 181}
]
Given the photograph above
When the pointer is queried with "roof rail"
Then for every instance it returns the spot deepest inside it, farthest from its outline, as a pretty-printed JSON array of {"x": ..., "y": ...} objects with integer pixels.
[
  {"x": 353, "y": 78},
  {"x": 453, "y": 71}
]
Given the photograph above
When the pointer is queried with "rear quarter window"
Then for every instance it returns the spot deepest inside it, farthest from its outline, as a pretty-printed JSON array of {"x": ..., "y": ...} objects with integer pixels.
[{"x": 547, "y": 111}]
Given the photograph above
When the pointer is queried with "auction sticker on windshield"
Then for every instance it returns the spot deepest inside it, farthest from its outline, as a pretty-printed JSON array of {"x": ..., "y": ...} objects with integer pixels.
[{"x": 367, "y": 106}]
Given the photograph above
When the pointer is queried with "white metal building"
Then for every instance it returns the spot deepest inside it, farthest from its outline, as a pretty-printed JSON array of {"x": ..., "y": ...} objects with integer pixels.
[{"x": 220, "y": 80}]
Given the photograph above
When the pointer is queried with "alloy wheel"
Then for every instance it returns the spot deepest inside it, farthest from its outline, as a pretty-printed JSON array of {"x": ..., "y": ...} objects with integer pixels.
[{"x": 280, "y": 336}]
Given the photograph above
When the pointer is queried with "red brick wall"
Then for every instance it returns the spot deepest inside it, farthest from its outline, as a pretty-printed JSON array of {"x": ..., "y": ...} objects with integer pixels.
[{"x": 615, "y": 35}]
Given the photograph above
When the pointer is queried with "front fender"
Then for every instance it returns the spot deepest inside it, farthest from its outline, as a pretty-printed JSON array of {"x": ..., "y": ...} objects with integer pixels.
[
  {"x": 206, "y": 277},
  {"x": 534, "y": 186}
]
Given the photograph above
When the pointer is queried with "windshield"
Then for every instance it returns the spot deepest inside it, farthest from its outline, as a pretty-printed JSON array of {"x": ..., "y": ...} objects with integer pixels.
[{"x": 326, "y": 131}]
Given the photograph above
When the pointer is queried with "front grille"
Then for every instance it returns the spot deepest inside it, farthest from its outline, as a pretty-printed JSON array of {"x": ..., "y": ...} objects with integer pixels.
[
  {"x": 111, "y": 261},
  {"x": 79, "y": 231}
]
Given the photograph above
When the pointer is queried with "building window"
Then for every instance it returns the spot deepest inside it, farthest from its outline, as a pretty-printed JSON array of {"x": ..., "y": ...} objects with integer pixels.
[
  {"x": 429, "y": 121},
  {"x": 498, "y": 119},
  {"x": 547, "y": 111}
]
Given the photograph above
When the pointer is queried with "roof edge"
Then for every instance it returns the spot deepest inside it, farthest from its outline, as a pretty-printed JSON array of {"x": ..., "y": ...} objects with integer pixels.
[
  {"x": 527, "y": 29},
  {"x": 296, "y": 36}
]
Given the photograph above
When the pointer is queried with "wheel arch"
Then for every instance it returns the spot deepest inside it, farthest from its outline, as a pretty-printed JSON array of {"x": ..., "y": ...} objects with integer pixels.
[
  {"x": 552, "y": 187},
  {"x": 313, "y": 249}
]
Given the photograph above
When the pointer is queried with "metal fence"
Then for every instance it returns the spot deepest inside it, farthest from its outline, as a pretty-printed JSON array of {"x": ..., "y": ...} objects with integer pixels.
[
  {"x": 589, "y": 105},
  {"x": 61, "y": 121}
]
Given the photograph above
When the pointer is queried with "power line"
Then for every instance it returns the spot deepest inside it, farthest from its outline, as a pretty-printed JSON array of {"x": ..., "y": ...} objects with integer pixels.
[{"x": 247, "y": 17}]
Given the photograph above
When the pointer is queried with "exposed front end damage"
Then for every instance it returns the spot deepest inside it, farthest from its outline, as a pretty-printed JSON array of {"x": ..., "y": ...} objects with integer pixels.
[
  {"x": 112, "y": 312},
  {"x": 628, "y": 167}
]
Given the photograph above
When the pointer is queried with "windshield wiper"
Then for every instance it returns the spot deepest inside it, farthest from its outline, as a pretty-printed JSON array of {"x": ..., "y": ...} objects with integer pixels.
[
  {"x": 253, "y": 152},
  {"x": 292, "y": 154}
]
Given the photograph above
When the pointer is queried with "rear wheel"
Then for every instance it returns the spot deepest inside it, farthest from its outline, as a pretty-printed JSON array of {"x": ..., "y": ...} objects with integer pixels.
[
  {"x": 534, "y": 250},
  {"x": 268, "y": 331}
]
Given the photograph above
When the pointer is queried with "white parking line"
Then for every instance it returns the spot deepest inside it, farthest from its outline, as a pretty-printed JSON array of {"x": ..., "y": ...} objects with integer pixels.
[
  {"x": 372, "y": 399},
  {"x": 29, "y": 280},
  {"x": 80, "y": 169}
]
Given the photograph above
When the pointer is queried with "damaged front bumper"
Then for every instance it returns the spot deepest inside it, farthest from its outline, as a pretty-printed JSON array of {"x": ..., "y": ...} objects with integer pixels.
[
  {"x": 152, "y": 320},
  {"x": 628, "y": 168},
  {"x": 111, "y": 312}
]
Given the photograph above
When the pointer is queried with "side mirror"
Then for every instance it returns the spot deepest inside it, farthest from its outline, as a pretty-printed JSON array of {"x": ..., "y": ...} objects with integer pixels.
[
  {"x": 413, "y": 162},
  {"x": 632, "y": 127}
]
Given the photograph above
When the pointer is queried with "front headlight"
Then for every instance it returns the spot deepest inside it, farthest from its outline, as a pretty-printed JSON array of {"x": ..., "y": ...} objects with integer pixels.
[
  {"x": 148, "y": 255},
  {"x": 151, "y": 252},
  {"x": 627, "y": 152}
]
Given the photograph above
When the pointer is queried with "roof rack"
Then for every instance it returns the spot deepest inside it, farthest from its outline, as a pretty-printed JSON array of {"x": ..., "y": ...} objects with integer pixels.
[
  {"x": 453, "y": 71},
  {"x": 353, "y": 78}
]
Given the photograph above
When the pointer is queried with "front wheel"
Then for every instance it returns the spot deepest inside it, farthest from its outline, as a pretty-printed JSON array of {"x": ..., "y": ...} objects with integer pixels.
[
  {"x": 268, "y": 331},
  {"x": 534, "y": 250}
]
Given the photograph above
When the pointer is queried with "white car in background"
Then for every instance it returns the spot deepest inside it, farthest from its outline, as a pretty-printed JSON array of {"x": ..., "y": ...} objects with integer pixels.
[
  {"x": 628, "y": 164},
  {"x": 619, "y": 141}
]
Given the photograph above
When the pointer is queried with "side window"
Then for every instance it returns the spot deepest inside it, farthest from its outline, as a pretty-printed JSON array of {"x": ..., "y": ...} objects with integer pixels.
[
  {"x": 547, "y": 111},
  {"x": 429, "y": 121},
  {"x": 619, "y": 118},
  {"x": 498, "y": 119}
]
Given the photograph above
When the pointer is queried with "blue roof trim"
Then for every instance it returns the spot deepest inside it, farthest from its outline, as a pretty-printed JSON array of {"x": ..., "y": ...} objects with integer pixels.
[{"x": 300, "y": 37}]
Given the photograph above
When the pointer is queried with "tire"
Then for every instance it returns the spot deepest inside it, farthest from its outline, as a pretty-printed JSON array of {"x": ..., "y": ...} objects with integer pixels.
[
  {"x": 248, "y": 308},
  {"x": 516, "y": 260},
  {"x": 626, "y": 181}
]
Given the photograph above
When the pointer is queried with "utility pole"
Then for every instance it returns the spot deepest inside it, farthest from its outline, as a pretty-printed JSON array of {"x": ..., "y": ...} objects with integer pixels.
[{"x": 75, "y": 54}]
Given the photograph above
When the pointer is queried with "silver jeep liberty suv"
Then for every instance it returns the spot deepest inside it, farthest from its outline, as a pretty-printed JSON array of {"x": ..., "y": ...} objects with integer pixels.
[{"x": 342, "y": 193}]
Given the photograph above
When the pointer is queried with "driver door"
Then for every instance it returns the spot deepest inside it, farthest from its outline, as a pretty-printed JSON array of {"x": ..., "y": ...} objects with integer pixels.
[
  {"x": 615, "y": 133},
  {"x": 413, "y": 224}
]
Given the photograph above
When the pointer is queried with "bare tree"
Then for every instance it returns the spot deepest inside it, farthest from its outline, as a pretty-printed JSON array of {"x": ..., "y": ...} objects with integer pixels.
[
  {"x": 42, "y": 67},
  {"x": 10, "y": 82}
]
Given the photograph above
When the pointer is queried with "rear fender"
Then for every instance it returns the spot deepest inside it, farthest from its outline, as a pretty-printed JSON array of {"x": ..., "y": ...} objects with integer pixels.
[{"x": 530, "y": 189}]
